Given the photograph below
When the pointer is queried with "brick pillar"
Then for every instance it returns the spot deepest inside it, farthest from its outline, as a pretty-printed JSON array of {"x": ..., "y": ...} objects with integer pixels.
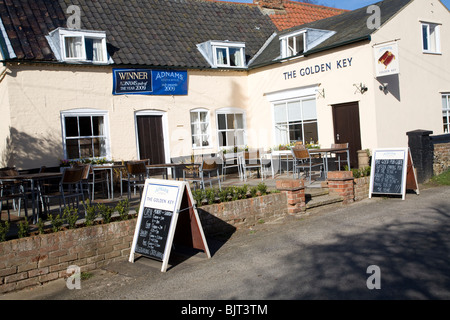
[
  {"x": 341, "y": 183},
  {"x": 295, "y": 191}
]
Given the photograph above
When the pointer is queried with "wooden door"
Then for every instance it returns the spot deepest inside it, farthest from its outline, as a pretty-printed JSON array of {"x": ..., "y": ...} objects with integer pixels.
[
  {"x": 347, "y": 128},
  {"x": 151, "y": 140}
]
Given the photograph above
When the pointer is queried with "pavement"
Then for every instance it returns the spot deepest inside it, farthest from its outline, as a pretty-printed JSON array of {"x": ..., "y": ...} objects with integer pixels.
[{"x": 382, "y": 248}]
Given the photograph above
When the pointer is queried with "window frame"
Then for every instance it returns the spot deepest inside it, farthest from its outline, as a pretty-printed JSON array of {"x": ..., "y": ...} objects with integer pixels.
[
  {"x": 446, "y": 109},
  {"x": 86, "y": 113},
  {"x": 234, "y": 111},
  {"x": 64, "y": 34},
  {"x": 436, "y": 35},
  {"x": 199, "y": 124},
  {"x": 227, "y": 46},
  {"x": 285, "y": 43},
  {"x": 289, "y": 123}
]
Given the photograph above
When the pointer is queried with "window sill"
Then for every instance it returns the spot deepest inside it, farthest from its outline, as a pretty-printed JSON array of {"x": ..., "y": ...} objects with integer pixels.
[{"x": 432, "y": 53}]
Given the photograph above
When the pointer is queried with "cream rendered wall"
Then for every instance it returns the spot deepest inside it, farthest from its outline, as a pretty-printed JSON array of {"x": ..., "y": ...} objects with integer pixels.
[
  {"x": 37, "y": 94},
  {"x": 337, "y": 83},
  {"x": 5, "y": 151},
  {"x": 417, "y": 104}
]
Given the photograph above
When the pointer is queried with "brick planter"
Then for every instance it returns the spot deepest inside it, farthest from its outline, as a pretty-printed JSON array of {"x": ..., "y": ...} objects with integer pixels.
[
  {"x": 226, "y": 217},
  {"x": 38, "y": 259}
]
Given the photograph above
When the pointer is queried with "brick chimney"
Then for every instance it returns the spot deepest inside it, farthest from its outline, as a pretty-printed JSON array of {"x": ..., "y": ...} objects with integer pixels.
[{"x": 270, "y": 4}]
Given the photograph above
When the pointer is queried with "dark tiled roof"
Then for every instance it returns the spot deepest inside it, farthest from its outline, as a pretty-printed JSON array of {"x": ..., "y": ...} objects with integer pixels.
[
  {"x": 349, "y": 27},
  {"x": 150, "y": 32}
]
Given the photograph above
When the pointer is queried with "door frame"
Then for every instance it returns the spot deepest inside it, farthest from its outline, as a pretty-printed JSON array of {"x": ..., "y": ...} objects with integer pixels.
[
  {"x": 165, "y": 126},
  {"x": 343, "y": 105}
]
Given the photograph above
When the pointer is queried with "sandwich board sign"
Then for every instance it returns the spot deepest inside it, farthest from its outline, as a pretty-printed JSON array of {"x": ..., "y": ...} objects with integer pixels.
[
  {"x": 167, "y": 214},
  {"x": 392, "y": 172}
]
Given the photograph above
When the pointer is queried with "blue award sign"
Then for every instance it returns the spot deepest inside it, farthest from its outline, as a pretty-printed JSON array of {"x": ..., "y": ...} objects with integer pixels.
[{"x": 149, "y": 82}]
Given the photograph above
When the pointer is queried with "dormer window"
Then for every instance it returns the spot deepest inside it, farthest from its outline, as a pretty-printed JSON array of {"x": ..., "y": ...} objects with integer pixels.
[
  {"x": 298, "y": 42},
  {"x": 224, "y": 54},
  {"x": 79, "y": 45},
  {"x": 293, "y": 44}
]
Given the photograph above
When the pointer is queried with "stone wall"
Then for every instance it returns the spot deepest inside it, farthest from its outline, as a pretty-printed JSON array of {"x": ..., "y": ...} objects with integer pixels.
[{"x": 441, "y": 154}]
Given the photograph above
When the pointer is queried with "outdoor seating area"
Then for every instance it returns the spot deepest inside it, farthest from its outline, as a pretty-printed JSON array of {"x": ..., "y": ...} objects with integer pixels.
[{"x": 46, "y": 191}]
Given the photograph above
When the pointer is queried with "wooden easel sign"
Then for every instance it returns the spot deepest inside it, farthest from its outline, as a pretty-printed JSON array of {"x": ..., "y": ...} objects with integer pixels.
[
  {"x": 167, "y": 213},
  {"x": 392, "y": 172}
]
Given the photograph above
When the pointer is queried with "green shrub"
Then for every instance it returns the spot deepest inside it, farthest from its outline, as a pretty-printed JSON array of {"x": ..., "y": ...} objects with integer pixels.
[
  {"x": 71, "y": 216},
  {"x": 105, "y": 212},
  {"x": 57, "y": 222},
  {"x": 4, "y": 228},
  {"x": 90, "y": 213},
  {"x": 123, "y": 208},
  {"x": 23, "y": 229}
]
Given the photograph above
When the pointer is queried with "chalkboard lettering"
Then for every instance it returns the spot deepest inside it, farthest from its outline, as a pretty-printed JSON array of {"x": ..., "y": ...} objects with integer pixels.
[
  {"x": 388, "y": 176},
  {"x": 152, "y": 236}
]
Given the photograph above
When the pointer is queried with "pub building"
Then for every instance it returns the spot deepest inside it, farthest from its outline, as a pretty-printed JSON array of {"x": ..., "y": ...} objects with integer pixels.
[{"x": 163, "y": 79}]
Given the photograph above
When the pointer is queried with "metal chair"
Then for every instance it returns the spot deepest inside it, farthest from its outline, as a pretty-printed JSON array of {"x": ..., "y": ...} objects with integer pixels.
[
  {"x": 91, "y": 177},
  {"x": 303, "y": 161},
  {"x": 202, "y": 173},
  {"x": 136, "y": 175},
  {"x": 70, "y": 187},
  {"x": 340, "y": 155},
  {"x": 230, "y": 160},
  {"x": 7, "y": 194},
  {"x": 251, "y": 160}
]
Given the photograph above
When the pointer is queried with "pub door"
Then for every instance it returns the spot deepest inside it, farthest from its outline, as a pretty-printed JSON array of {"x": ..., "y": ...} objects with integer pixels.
[
  {"x": 347, "y": 128},
  {"x": 151, "y": 140}
]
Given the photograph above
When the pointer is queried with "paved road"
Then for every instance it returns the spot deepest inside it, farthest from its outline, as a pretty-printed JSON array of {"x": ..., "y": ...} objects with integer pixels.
[{"x": 322, "y": 256}]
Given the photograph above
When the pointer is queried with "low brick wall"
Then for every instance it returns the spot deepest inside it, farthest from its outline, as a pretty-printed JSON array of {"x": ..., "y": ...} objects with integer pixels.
[
  {"x": 361, "y": 188},
  {"x": 38, "y": 259},
  {"x": 228, "y": 216}
]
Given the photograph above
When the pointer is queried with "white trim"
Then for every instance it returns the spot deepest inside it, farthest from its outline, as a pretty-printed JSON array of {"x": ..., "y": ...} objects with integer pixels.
[
  {"x": 292, "y": 93},
  {"x": 165, "y": 125},
  {"x": 63, "y": 33},
  {"x": 228, "y": 110},
  {"x": 11, "y": 52},
  {"x": 87, "y": 112},
  {"x": 209, "y": 127}
]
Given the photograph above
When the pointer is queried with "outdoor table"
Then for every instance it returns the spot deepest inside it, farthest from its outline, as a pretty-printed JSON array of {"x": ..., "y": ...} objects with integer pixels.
[
  {"x": 173, "y": 166},
  {"x": 280, "y": 154},
  {"x": 325, "y": 151},
  {"x": 33, "y": 178},
  {"x": 110, "y": 168}
]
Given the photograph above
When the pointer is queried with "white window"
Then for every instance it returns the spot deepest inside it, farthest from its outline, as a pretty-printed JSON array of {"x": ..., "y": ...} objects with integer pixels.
[
  {"x": 431, "y": 42},
  {"x": 226, "y": 54},
  {"x": 295, "y": 120},
  {"x": 200, "y": 128},
  {"x": 79, "y": 45},
  {"x": 229, "y": 56},
  {"x": 293, "y": 44},
  {"x": 85, "y": 134},
  {"x": 231, "y": 128},
  {"x": 446, "y": 112}
]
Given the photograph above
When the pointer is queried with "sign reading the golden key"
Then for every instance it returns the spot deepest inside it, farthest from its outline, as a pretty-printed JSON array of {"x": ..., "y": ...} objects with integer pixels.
[{"x": 386, "y": 59}]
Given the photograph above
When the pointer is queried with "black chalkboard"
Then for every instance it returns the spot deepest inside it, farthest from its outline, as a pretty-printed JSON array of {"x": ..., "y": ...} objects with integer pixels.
[
  {"x": 388, "y": 176},
  {"x": 153, "y": 233}
]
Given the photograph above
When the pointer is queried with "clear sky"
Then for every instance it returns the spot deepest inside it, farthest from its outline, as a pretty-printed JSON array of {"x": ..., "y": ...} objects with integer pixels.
[
  {"x": 345, "y": 4},
  {"x": 355, "y": 4}
]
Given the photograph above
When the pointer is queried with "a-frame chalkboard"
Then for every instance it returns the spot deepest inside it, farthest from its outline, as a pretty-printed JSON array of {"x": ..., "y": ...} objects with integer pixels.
[
  {"x": 392, "y": 172},
  {"x": 167, "y": 211}
]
